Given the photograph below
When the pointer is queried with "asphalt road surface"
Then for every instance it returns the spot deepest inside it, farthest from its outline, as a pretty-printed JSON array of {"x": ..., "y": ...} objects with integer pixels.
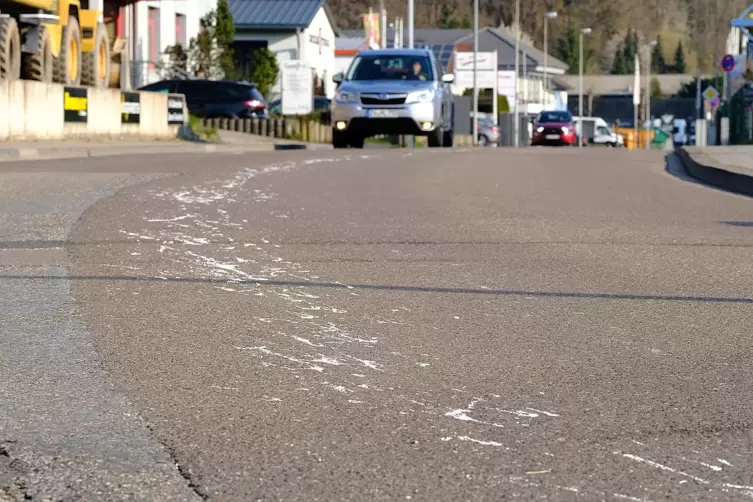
[{"x": 375, "y": 325}]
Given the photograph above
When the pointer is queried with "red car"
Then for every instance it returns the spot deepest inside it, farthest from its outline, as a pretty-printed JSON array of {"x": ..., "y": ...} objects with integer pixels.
[{"x": 554, "y": 128}]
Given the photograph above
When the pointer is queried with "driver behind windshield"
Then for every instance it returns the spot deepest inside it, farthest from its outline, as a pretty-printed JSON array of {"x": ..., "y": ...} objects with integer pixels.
[{"x": 417, "y": 75}]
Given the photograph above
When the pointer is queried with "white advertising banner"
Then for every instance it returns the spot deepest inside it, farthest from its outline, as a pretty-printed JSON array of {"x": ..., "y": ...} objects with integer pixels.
[
  {"x": 297, "y": 88},
  {"x": 486, "y": 66},
  {"x": 506, "y": 86}
]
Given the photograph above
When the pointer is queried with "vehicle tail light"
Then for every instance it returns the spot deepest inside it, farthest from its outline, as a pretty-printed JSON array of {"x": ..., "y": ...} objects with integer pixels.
[
  {"x": 495, "y": 129},
  {"x": 253, "y": 103}
]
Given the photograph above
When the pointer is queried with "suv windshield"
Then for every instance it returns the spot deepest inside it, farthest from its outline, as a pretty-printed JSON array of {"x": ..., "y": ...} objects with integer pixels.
[
  {"x": 391, "y": 67},
  {"x": 555, "y": 117}
]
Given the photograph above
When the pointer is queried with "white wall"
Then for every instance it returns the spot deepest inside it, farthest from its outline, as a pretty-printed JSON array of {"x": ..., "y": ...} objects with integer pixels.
[
  {"x": 321, "y": 57},
  {"x": 304, "y": 46},
  {"x": 194, "y": 10}
]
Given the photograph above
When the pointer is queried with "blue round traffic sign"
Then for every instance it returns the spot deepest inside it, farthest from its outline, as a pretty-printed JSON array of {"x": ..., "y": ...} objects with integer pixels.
[{"x": 728, "y": 63}]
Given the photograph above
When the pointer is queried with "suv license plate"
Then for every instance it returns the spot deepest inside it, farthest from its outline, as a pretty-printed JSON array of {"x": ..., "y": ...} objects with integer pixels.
[
  {"x": 382, "y": 113},
  {"x": 552, "y": 136}
]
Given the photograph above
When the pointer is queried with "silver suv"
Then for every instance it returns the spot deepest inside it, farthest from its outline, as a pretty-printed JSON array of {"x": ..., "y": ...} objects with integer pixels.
[{"x": 393, "y": 91}]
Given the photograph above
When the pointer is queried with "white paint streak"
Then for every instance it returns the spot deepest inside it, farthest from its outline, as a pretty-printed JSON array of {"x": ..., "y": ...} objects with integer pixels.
[
  {"x": 628, "y": 497},
  {"x": 547, "y": 413},
  {"x": 478, "y": 441},
  {"x": 662, "y": 467}
]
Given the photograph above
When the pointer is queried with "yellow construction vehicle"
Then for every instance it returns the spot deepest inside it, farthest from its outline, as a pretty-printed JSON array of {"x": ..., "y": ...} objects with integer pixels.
[{"x": 60, "y": 41}]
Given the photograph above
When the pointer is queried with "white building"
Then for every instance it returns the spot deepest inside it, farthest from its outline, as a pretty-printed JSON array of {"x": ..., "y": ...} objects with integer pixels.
[
  {"x": 292, "y": 29},
  {"x": 150, "y": 27}
]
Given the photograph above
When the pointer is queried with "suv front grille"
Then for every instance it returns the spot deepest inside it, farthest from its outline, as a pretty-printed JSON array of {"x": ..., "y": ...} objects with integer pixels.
[{"x": 383, "y": 99}]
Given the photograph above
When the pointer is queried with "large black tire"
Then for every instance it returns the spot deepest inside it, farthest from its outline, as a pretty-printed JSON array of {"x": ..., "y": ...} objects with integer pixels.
[
  {"x": 95, "y": 66},
  {"x": 10, "y": 49},
  {"x": 38, "y": 65},
  {"x": 436, "y": 138},
  {"x": 356, "y": 142},
  {"x": 449, "y": 138},
  {"x": 62, "y": 63},
  {"x": 339, "y": 139}
]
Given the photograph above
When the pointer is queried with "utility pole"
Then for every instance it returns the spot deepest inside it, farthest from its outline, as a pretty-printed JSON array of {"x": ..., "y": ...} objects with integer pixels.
[
  {"x": 475, "y": 72},
  {"x": 411, "y": 25},
  {"x": 411, "y": 22},
  {"x": 516, "y": 125},
  {"x": 650, "y": 59},
  {"x": 547, "y": 17},
  {"x": 583, "y": 31},
  {"x": 382, "y": 25}
]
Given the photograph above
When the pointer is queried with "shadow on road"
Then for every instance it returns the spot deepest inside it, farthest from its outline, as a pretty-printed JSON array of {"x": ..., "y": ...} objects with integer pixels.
[{"x": 386, "y": 287}]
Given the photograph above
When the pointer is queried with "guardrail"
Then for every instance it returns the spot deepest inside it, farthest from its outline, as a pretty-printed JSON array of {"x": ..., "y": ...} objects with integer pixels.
[{"x": 303, "y": 129}]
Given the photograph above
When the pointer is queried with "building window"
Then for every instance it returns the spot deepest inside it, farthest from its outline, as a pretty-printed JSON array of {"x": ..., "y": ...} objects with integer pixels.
[
  {"x": 180, "y": 29},
  {"x": 154, "y": 41}
]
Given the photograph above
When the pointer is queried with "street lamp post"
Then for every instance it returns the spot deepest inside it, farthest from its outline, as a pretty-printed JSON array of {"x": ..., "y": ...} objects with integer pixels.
[
  {"x": 516, "y": 125},
  {"x": 583, "y": 31},
  {"x": 650, "y": 59},
  {"x": 475, "y": 73},
  {"x": 549, "y": 15}
]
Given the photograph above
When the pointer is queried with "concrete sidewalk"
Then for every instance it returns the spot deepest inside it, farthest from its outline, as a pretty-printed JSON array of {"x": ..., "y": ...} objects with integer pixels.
[
  {"x": 67, "y": 149},
  {"x": 726, "y": 167}
]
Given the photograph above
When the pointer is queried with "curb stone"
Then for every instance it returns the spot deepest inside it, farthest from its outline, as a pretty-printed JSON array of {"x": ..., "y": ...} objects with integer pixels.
[
  {"x": 20, "y": 154},
  {"x": 714, "y": 173}
]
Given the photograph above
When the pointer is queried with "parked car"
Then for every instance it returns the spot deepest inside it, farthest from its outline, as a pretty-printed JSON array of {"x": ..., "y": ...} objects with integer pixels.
[
  {"x": 488, "y": 132},
  {"x": 554, "y": 128},
  {"x": 216, "y": 98},
  {"x": 322, "y": 105},
  {"x": 393, "y": 91}
]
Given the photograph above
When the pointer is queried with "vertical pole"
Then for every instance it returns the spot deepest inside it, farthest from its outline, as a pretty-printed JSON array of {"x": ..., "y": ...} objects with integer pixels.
[
  {"x": 495, "y": 93},
  {"x": 580, "y": 89},
  {"x": 382, "y": 25},
  {"x": 475, "y": 72},
  {"x": 546, "y": 57},
  {"x": 516, "y": 125},
  {"x": 411, "y": 24},
  {"x": 698, "y": 102},
  {"x": 648, "y": 100}
]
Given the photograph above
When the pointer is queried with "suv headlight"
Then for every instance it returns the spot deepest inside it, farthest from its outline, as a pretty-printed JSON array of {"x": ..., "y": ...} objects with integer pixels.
[
  {"x": 539, "y": 129},
  {"x": 345, "y": 97},
  {"x": 421, "y": 97}
]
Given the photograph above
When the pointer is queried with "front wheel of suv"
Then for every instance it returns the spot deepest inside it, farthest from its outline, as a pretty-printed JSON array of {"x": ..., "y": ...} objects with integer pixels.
[
  {"x": 449, "y": 138},
  {"x": 436, "y": 138},
  {"x": 356, "y": 141},
  {"x": 339, "y": 139}
]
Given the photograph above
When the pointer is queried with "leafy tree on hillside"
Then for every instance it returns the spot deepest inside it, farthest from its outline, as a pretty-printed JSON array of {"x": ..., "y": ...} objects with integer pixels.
[
  {"x": 264, "y": 70},
  {"x": 619, "y": 65},
  {"x": 568, "y": 50},
  {"x": 680, "y": 58},
  {"x": 656, "y": 91},
  {"x": 658, "y": 64},
  {"x": 449, "y": 21},
  {"x": 688, "y": 89},
  {"x": 630, "y": 49}
]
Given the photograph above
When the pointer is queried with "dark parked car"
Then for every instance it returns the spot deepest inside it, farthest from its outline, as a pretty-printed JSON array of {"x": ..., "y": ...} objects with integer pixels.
[
  {"x": 216, "y": 98},
  {"x": 322, "y": 105}
]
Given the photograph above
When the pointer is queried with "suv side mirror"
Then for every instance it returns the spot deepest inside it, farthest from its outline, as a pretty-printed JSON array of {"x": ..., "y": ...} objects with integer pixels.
[
  {"x": 448, "y": 78},
  {"x": 337, "y": 78}
]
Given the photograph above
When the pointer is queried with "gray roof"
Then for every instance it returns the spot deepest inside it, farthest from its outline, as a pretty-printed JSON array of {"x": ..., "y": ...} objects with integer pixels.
[
  {"x": 349, "y": 43},
  {"x": 620, "y": 84},
  {"x": 434, "y": 36},
  {"x": 277, "y": 14},
  {"x": 492, "y": 39}
]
